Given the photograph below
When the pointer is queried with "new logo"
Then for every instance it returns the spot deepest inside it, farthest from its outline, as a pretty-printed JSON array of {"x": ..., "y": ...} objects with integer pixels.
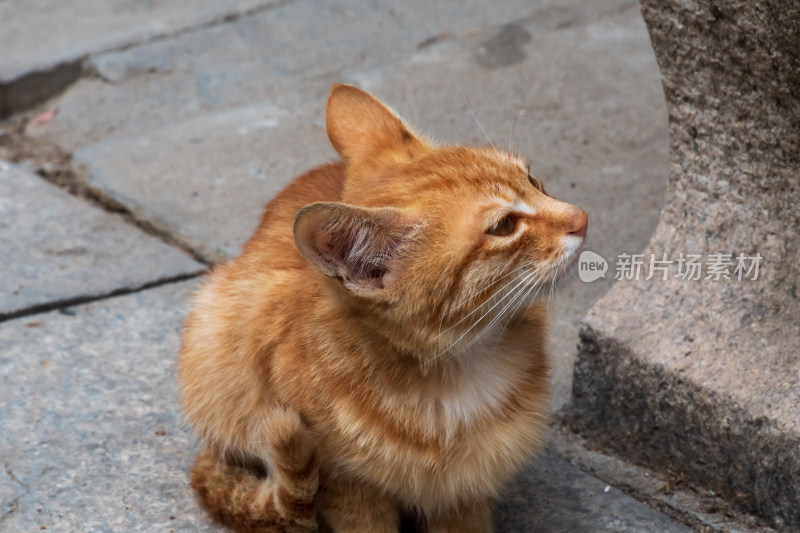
[{"x": 591, "y": 266}]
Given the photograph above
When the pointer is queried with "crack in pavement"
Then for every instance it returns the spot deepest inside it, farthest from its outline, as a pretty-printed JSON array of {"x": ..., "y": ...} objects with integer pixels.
[
  {"x": 13, "y": 478},
  {"x": 48, "y": 161},
  {"x": 218, "y": 21},
  {"x": 80, "y": 300},
  {"x": 53, "y": 80},
  {"x": 14, "y": 505}
]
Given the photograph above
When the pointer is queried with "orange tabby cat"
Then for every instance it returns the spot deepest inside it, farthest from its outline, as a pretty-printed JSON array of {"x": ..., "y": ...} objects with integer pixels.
[{"x": 378, "y": 349}]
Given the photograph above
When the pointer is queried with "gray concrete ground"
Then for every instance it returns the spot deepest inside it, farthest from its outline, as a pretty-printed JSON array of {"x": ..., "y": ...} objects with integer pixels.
[
  {"x": 183, "y": 114},
  {"x": 45, "y": 234},
  {"x": 573, "y": 88},
  {"x": 92, "y": 437},
  {"x": 44, "y": 42}
]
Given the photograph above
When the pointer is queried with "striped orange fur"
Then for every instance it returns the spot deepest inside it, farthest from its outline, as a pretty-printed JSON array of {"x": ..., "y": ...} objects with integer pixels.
[{"x": 378, "y": 348}]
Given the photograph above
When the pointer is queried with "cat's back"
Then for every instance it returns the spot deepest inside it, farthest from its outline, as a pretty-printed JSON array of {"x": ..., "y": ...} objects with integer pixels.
[
  {"x": 245, "y": 306},
  {"x": 272, "y": 244},
  {"x": 240, "y": 295}
]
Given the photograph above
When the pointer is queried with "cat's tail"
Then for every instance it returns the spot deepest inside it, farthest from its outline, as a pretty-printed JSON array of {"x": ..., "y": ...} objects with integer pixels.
[{"x": 281, "y": 501}]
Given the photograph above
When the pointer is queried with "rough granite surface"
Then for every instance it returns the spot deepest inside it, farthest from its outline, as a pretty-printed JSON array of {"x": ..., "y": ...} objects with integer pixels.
[
  {"x": 704, "y": 376},
  {"x": 56, "y": 248}
]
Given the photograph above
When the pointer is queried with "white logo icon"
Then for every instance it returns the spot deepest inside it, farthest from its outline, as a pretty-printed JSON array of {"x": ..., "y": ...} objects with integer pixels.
[{"x": 591, "y": 266}]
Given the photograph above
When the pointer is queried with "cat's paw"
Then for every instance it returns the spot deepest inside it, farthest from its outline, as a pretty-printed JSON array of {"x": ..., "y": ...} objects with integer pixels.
[{"x": 293, "y": 446}]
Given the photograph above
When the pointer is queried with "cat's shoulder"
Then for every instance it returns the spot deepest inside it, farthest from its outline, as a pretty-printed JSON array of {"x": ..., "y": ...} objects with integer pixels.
[{"x": 272, "y": 244}]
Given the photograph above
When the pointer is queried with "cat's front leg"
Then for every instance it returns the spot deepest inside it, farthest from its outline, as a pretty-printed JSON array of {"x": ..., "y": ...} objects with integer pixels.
[
  {"x": 349, "y": 506},
  {"x": 473, "y": 518}
]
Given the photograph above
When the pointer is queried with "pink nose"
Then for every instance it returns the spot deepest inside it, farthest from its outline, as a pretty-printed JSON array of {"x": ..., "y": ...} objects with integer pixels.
[{"x": 579, "y": 224}]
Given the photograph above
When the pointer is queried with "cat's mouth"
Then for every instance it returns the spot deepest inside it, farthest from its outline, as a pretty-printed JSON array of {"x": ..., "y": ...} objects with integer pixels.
[{"x": 566, "y": 266}]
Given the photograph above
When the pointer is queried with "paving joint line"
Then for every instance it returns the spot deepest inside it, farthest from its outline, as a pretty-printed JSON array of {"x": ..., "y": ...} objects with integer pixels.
[
  {"x": 602, "y": 464},
  {"x": 72, "y": 70},
  {"x": 14, "y": 478},
  {"x": 65, "y": 303},
  {"x": 56, "y": 166},
  {"x": 218, "y": 21},
  {"x": 103, "y": 201}
]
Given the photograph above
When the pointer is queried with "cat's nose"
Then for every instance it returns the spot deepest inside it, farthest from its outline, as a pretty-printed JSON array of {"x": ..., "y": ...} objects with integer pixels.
[{"x": 579, "y": 223}]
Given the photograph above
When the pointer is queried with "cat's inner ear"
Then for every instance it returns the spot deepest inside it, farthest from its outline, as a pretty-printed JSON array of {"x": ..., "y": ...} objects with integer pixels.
[
  {"x": 360, "y": 246},
  {"x": 361, "y": 128}
]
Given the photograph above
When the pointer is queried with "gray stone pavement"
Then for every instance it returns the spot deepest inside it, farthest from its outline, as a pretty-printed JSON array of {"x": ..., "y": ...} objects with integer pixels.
[
  {"x": 261, "y": 57},
  {"x": 56, "y": 248},
  {"x": 92, "y": 437},
  {"x": 44, "y": 41},
  {"x": 554, "y": 496},
  {"x": 188, "y": 179},
  {"x": 582, "y": 101},
  {"x": 91, "y": 434},
  {"x": 192, "y": 116}
]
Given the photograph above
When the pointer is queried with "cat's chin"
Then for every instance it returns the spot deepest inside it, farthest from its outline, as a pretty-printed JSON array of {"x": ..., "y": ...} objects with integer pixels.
[{"x": 566, "y": 268}]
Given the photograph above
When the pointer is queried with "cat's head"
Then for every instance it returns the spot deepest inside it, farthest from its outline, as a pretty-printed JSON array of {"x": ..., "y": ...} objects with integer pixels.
[{"x": 444, "y": 242}]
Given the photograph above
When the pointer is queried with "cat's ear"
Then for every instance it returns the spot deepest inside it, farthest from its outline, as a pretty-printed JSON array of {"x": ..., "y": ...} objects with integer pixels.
[
  {"x": 361, "y": 128},
  {"x": 360, "y": 246}
]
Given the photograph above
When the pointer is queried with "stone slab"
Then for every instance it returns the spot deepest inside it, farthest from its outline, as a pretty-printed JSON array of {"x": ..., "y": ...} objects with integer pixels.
[
  {"x": 702, "y": 375},
  {"x": 206, "y": 181},
  {"x": 553, "y": 496},
  {"x": 91, "y": 432},
  {"x": 90, "y": 425},
  {"x": 582, "y": 101},
  {"x": 54, "y": 247},
  {"x": 698, "y": 507},
  {"x": 39, "y": 35},
  {"x": 258, "y": 57},
  {"x": 45, "y": 41}
]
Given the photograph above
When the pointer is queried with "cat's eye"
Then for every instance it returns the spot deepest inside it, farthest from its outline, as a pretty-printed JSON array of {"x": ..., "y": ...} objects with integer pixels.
[
  {"x": 504, "y": 226},
  {"x": 537, "y": 184}
]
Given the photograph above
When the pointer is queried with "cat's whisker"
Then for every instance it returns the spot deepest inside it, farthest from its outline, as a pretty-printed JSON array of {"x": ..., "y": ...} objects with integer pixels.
[
  {"x": 488, "y": 300},
  {"x": 553, "y": 286},
  {"x": 535, "y": 284},
  {"x": 510, "y": 291},
  {"x": 498, "y": 317},
  {"x": 441, "y": 319},
  {"x": 537, "y": 287},
  {"x": 515, "y": 292},
  {"x": 478, "y": 122},
  {"x": 487, "y": 287},
  {"x": 511, "y": 130},
  {"x": 484, "y": 315}
]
